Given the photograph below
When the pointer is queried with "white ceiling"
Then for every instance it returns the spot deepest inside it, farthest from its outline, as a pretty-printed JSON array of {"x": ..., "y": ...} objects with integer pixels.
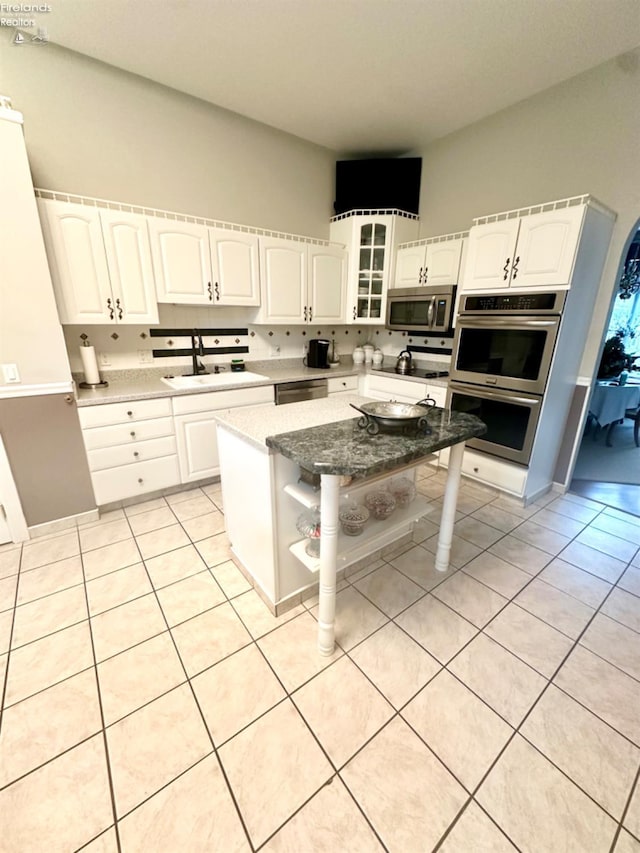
[{"x": 357, "y": 76}]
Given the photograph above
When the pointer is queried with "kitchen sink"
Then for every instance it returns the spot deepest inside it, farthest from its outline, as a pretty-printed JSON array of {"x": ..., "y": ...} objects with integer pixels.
[{"x": 213, "y": 380}]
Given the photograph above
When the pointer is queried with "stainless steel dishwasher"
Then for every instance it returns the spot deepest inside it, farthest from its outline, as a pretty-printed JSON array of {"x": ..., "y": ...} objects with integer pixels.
[{"x": 304, "y": 389}]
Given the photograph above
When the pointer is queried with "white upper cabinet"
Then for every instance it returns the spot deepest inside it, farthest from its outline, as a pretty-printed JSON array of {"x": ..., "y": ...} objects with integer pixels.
[
  {"x": 283, "y": 277},
  {"x": 547, "y": 247},
  {"x": 100, "y": 264},
  {"x": 490, "y": 255},
  {"x": 327, "y": 283},
  {"x": 181, "y": 261},
  {"x": 301, "y": 283},
  {"x": 126, "y": 243},
  {"x": 429, "y": 263},
  {"x": 536, "y": 250},
  {"x": 197, "y": 265},
  {"x": 410, "y": 262},
  {"x": 234, "y": 267},
  {"x": 372, "y": 241}
]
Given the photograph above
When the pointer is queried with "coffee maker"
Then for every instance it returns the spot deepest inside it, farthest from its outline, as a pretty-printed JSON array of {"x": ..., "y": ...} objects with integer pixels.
[{"x": 318, "y": 354}]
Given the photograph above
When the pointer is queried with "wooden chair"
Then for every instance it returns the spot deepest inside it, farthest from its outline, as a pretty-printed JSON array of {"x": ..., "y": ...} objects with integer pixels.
[{"x": 634, "y": 415}]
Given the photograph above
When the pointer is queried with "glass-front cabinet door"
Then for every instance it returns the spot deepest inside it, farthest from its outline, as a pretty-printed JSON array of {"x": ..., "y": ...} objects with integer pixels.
[
  {"x": 371, "y": 270},
  {"x": 371, "y": 238}
]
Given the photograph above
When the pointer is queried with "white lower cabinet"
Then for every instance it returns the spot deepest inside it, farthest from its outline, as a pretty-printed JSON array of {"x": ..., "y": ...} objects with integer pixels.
[
  {"x": 195, "y": 424},
  {"x": 342, "y": 385},
  {"x": 491, "y": 471},
  {"x": 383, "y": 387},
  {"x": 131, "y": 448},
  {"x": 130, "y": 481}
]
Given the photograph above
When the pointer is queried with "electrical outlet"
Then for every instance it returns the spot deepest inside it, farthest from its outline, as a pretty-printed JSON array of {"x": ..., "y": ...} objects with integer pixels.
[
  {"x": 275, "y": 351},
  {"x": 10, "y": 373},
  {"x": 104, "y": 359},
  {"x": 145, "y": 356}
]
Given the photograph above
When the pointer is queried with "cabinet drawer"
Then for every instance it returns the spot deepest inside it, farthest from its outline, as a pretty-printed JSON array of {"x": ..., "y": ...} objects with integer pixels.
[
  {"x": 110, "y": 457},
  {"x": 122, "y": 413},
  {"x": 335, "y": 384},
  {"x": 128, "y": 481},
  {"x": 439, "y": 394},
  {"x": 222, "y": 400},
  {"x": 110, "y": 436},
  {"x": 388, "y": 387}
]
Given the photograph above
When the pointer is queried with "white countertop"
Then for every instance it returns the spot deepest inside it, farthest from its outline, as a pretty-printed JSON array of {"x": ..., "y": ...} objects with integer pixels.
[
  {"x": 146, "y": 383},
  {"x": 255, "y": 423}
]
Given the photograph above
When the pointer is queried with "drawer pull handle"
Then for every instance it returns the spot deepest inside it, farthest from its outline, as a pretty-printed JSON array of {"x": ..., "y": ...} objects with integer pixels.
[
  {"x": 135, "y": 453},
  {"x": 475, "y": 470},
  {"x": 130, "y": 414},
  {"x": 140, "y": 480},
  {"x": 132, "y": 433}
]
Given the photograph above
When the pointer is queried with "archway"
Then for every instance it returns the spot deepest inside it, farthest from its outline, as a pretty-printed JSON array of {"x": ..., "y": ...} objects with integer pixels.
[{"x": 606, "y": 466}]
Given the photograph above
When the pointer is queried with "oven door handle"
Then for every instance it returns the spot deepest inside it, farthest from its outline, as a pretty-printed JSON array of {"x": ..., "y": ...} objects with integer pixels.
[
  {"x": 470, "y": 391},
  {"x": 489, "y": 322}
]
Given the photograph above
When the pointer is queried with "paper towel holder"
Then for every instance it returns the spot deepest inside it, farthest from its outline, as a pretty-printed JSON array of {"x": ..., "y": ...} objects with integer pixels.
[{"x": 92, "y": 385}]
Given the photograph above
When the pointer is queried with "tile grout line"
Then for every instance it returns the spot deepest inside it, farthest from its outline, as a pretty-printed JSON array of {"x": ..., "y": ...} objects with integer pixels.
[
  {"x": 5, "y": 680},
  {"x": 101, "y": 708},
  {"x": 202, "y": 717}
]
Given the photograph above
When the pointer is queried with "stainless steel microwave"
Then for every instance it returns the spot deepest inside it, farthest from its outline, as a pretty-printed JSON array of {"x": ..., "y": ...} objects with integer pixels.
[{"x": 421, "y": 310}]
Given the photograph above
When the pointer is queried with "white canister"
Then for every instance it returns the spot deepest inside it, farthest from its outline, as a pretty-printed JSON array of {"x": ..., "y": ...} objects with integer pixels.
[
  {"x": 377, "y": 358},
  {"x": 358, "y": 355},
  {"x": 368, "y": 353}
]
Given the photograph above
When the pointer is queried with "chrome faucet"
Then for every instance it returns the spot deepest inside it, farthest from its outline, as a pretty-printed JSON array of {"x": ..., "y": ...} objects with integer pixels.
[{"x": 197, "y": 349}]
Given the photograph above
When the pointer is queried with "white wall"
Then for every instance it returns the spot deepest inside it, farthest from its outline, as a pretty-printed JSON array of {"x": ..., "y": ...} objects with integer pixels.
[
  {"x": 581, "y": 136},
  {"x": 94, "y": 130},
  {"x": 30, "y": 334}
]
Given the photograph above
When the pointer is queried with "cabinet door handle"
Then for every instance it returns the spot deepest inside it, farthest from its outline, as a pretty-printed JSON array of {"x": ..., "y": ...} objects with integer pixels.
[
  {"x": 110, "y": 309},
  {"x": 132, "y": 434},
  {"x": 119, "y": 307},
  {"x": 354, "y": 312},
  {"x": 310, "y": 313},
  {"x": 515, "y": 268},
  {"x": 209, "y": 291},
  {"x": 420, "y": 276},
  {"x": 130, "y": 414},
  {"x": 135, "y": 453},
  {"x": 140, "y": 480},
  {"x": 304, "y": 313},
  {"x": 217, "y": 290},
  {"x": 424, "y": 277},
  {"x": 505, "y": 269}
]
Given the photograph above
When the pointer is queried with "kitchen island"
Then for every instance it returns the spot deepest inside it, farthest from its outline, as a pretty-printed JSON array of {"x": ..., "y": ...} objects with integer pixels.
[{"x": 262, "y": 453}]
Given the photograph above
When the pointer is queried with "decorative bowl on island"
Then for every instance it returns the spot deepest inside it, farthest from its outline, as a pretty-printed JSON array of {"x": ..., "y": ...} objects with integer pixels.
[
  {"x": 353, "y": 519},
  {"x": 380, "y": 503}
]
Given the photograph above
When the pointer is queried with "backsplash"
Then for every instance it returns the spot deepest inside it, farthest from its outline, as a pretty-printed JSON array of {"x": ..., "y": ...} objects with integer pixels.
[{"x": 123, "y": 347}]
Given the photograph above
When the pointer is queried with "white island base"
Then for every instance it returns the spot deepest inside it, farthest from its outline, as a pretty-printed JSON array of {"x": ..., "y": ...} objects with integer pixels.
[{"x": 263, "y": 499}]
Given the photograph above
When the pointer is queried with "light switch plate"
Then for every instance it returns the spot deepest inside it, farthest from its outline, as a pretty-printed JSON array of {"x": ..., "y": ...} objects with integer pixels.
[{"x": 10, "y": 373}]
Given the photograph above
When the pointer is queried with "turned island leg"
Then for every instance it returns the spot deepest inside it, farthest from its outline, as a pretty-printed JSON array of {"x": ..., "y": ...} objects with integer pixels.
[
  {"x": 329, "y": 501},
  {"x": 449, "y": 507}
]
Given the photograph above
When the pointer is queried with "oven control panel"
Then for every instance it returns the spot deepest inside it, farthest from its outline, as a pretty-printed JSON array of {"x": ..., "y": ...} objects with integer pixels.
[{"x": 521, "y": 303}]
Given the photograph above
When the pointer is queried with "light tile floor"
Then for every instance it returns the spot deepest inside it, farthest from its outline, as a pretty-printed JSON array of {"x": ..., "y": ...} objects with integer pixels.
[{"x": 152, "y": 703}]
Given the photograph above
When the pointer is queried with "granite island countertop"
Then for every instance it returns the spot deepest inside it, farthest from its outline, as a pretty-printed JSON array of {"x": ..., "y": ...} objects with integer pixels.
[{"x": 323, "y": 436}]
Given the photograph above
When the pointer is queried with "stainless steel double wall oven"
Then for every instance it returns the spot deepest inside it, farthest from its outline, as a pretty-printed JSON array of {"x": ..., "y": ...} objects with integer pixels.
[{"x": 502, "y": 353}]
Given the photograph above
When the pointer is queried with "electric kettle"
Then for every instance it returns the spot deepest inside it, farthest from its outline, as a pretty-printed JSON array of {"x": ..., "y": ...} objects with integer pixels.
[{"x": 404, "y": 363}]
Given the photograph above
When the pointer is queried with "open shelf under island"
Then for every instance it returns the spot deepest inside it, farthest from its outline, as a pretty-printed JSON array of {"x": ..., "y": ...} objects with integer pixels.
[{"x": 261, "y": 454}]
